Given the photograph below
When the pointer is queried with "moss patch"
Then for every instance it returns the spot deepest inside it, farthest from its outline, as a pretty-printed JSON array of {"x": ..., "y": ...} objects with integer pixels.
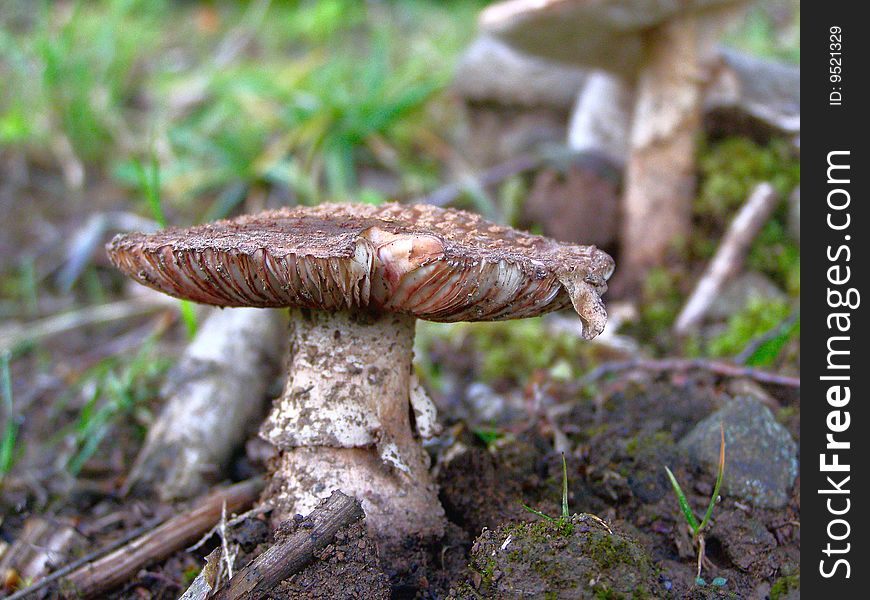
[{"x": 578, "y": 558}]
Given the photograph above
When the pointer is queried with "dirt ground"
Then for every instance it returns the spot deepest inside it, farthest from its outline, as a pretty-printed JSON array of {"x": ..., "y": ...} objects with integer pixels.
[{"x": 496, "y": 548}]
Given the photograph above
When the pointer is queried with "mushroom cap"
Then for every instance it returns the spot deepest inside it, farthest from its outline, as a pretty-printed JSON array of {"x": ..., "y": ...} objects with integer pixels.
[
  {"x": 437, "y": 264},
  {"x": 603, "y": 34}
]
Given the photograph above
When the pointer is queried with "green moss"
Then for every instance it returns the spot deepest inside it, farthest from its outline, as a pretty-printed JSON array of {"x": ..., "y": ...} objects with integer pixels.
[
  {"x": 661, "y": 300},
  {"x": 609, "y": 551},
  {"x": 189, "y": 574},
  {"x": 784, "y": 414},
  {"x": 732, "y": 167},
  {"x": 729, "y": 170},
  {"x": 649, "y": 444},
  {"x": 784, "y": 585},
  {"x": 509, "y": 351},
  {"x": 774, "y": 254},
  {"x": 759, "y": 317}
]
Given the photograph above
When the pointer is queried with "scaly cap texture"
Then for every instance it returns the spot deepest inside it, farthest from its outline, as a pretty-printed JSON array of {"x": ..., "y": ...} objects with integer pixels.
[{"x": 433, "y": 263}]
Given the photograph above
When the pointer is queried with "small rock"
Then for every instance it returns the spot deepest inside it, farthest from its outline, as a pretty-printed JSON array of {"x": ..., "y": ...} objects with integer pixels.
[
  {"x": 485, "y": 406},
  {"x": 760, "y": 454},
  {"x": 742, "y": 290}
]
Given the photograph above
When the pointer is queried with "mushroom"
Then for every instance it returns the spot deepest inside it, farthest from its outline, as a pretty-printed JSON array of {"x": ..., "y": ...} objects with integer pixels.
[
  {"x": 356, "y": 278},
  {"x": 661, "y": 47}
]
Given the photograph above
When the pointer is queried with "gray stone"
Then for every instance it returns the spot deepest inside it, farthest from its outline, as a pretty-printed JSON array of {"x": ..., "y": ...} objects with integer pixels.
[
  {"x": 760, "y": 454},
  {"x": 739, "y": 292}
]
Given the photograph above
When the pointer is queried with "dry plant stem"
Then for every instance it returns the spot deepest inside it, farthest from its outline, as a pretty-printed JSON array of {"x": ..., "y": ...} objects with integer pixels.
[
  {"x": 15, "y": 335},
  {"x": 343, "y": 422},
  {"x": 288, "y": 557},
  {"x": 215, "y": 394},
  {"x": 730, "y": 255},
  {"x": 688, "y": 364},
  {"x": 701, "y": 553},
  {"x": 42, "y": 544},
  {"x": 174, "y": 534}
]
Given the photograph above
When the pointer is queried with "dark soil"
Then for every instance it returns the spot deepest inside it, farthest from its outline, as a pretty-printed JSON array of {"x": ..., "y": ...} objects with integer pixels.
[
  {"x": 578, "y": 557},
  {"x": 620, "y": 445},
  {"x": 347, "y": 568}
]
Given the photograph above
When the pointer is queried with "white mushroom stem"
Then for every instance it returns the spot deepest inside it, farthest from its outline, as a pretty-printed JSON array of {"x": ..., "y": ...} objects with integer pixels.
[
  {"x": 660, "y": 176},
  {"x": 601, "y": 118},
  {"x": 344, "y": 422}
]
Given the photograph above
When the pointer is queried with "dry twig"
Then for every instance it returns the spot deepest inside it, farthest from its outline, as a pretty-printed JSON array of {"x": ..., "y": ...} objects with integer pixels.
[
  {"x": 103, "y": 571},
  {"x": 730, "y": 255},
  {"x": 288, "y": 557},
  {"x": 688, "y": 364}
]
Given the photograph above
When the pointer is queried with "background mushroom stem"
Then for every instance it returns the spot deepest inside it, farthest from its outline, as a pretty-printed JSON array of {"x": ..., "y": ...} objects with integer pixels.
[
  {"x": 344, "y": 421},
  {"x": 660, "y": 175}
]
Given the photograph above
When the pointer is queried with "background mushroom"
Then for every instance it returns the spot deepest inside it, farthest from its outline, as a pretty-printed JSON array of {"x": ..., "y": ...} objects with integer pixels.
[
  {"x": 357, "y": 277},
  {"x": 663, "y": 49}
]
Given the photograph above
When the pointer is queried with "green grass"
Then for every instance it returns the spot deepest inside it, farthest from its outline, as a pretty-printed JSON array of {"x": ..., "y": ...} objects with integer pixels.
[
  {"x": 697, "y": 528},
  {"x": 320, "y": 92},
  {"x": 119, "y": 388},
  {"x": 564, "y": 519},
  {"x": 10, "y": 426}
]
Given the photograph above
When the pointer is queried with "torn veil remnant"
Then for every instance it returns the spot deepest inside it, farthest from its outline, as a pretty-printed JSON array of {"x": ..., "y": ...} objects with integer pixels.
[{"x": 356, "y": 278}]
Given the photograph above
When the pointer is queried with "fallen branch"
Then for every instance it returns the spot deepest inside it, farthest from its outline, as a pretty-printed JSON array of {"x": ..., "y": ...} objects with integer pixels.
[
  {"x": 87, "y": 558},
  {"x": 492, "y": 176},
  {"x": 729, "y": 257},
  {"x": 41, "y": 544},
  {"x": 16, "y": 335},
  {"x": 213, "y": 397},
  {"x": 688, "y": 364},
  {"x": 102, "y": 571},
  {"x": 288, "y": 557}
]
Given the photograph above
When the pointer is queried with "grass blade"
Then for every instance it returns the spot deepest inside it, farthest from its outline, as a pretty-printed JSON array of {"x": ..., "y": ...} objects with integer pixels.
[
  {"x": 719, "y": 476},
  {"x": 10, "y": 430},
  {"x": 539, "y": 513},
  {"x": 684, "y": 504},
  {"x": 565, "y": 514}
]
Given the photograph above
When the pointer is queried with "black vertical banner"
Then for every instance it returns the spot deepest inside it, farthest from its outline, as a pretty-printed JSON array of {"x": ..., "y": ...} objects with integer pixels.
[{"x": 835, "y": 439}]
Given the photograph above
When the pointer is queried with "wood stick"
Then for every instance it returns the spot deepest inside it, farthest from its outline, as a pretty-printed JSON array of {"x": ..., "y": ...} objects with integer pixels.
[
  {"x": 113, "y": 569},
  {"x": 730, "y": 255},
  {"x": 288, "y": 557},
  {"x": 15, "y": 335},
  {"x": 87, "y": 558},
  {"x": 448, "y": 193},
  {"x": 214, "y": 394},
  {"x": 687, "y": 364}
]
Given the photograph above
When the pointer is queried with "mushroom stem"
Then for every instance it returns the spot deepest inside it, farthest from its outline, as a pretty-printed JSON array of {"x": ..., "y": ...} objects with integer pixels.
[
  {"x": 660, "y": 177},
  {"x": 343, "y": 422}
]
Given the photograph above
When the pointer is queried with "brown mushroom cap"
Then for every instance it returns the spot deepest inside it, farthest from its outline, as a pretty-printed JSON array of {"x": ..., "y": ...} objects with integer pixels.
[
  {"x": 604, "y": 34},
  {"x": 433, "y": 263}
]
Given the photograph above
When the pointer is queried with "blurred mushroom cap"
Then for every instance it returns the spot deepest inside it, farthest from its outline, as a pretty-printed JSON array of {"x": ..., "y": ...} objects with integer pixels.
[
  {"x": 604, "y": 34},
  {"x": 433, "y": 263}
]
